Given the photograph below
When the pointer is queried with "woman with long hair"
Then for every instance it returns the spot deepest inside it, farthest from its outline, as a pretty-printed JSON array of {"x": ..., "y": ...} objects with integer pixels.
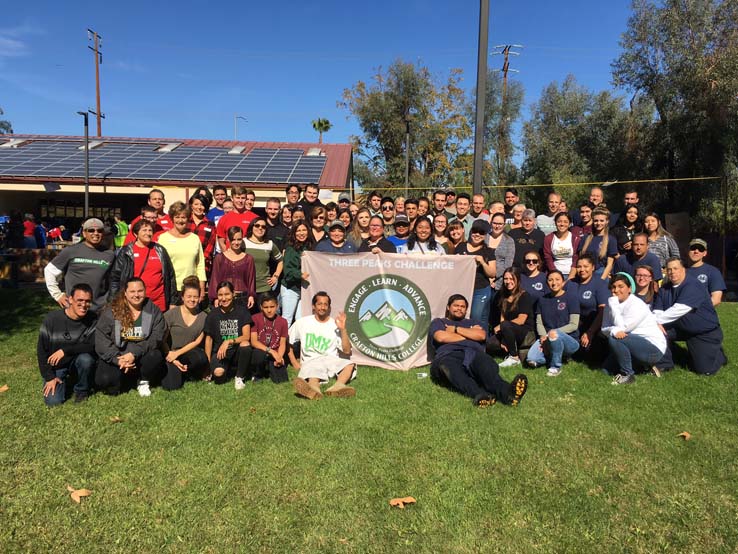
[
  {"x": 285, "y": 216},
  {"x": 344, "y": 216},
  {"x": 318, "y": 223},
  {"x": 485, "y": 270},
  {"x": 237, "y": 267},
  {"x": 184, "y": 247},
  {"x": 585, "y": 218},
  {"x": 440, "y": 223},
  {"x": 360, "y": 228},
  {"x": 533, "y": 280},
  {"x": 516, "y": 318},
  {"x": 646, "y": 286},
  {"x": 592, "y": 294},
  {"x": 203, "y": 228},
  {"x": 421, "y": 240},
  {"x": 128, "y": 341},
  {"x": 228, "y": 339},
  {"x": 600, "y": 243},
  {"x": 183, "y": 346},
  {"x": 454, "y": 235},
  {"x": 660, "y": 241},
  {"x": 501, "y": 245},
  {"x": 149, "y": 261},
  {"x": 632, "y": 332},
  {"x": 299, "y": 240},
  {"x": 628, "y": 225},
  {"x": 557, "y": 326},
  {"x": 266, "y": 255},
  {"x": 560, "y": 247}
]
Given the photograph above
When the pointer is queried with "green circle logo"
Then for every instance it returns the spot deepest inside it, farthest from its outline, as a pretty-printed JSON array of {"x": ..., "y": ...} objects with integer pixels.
[{"x": 387, "y": 317}]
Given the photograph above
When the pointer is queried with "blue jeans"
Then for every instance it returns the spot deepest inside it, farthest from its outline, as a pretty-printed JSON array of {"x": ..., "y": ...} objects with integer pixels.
[
  {"x": 290, "y": 301},
  {"x": 563, "y": 345},
  {"x": 622, "y": 352},
  {"x": 83, "y": 366},
  {"x": 481, "y": 302}
]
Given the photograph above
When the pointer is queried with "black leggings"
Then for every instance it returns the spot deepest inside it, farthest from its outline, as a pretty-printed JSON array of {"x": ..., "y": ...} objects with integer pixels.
[
  {"x": 511, "y": 335},
  {"x": 111, "y": 380},
  {"x": 262, "y": 365},
  {"x": 236, "y": 357},
  {"x": 481, "y": 377},
  {"x": 196, "y": 362}
]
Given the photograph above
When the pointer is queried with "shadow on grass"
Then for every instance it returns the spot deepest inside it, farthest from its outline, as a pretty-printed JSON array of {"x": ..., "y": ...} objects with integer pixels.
[{"x": 22, "y": 310}]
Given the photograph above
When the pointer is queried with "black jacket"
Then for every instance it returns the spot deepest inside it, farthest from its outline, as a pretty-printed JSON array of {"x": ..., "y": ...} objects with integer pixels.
[{"x": 123, "y": 270}]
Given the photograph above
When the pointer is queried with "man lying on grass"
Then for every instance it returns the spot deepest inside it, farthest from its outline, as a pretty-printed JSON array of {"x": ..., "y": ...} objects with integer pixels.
[
  {"x": 322, "y": 339},
  {"x": 460, "y": 362}
]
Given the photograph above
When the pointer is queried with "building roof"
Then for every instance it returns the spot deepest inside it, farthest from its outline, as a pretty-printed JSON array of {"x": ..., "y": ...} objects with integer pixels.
[{"x": 336, "y": 173}]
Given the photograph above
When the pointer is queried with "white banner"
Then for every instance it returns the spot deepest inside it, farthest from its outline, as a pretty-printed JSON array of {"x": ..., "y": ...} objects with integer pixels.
[{"x": 389, "y": 300}]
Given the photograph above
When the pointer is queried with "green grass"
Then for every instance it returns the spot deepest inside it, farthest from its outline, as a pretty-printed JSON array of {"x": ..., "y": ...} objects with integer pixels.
[{"x": 580, "y": 466}]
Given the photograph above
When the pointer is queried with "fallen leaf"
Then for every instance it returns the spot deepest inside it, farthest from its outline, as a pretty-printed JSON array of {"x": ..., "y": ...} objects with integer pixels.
[
  {"x": 77, "y": 494},
  {"x": 343, "y": 541},
  {"x": 116, "y": 419},
  {"x": 400, "y": 502},
  {"x": 685, "y": 435},
  {"x": 252, "y": 410},
  {"x": 4, "y": 388}
]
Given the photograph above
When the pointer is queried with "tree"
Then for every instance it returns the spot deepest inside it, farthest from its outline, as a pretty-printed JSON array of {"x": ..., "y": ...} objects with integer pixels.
[
  {"x": 407, "y": 96},
  {"x": 321, "y": 125},
  {"x": 5, "y": 126}
]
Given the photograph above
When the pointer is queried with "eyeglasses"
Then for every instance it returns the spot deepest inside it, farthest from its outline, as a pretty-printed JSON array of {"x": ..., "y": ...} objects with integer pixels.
[
  {"x": 531, "y": 261},
  {"x": 319, "y": 217},
  {"x": 94, "y": 230},
  {"x": 259, "y": 226}
]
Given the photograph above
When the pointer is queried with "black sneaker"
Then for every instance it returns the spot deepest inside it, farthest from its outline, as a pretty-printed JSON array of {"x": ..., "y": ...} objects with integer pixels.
[
  {"x": 621, "y": 379},
  {"x": 484, "y": 400},
  {"x": 80, "y": 397},
  {"x": 518, "y": 388}
]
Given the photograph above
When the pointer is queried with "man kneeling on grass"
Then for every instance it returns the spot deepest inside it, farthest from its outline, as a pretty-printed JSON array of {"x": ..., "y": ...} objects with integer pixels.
[
  {"x": 322, "y": 340},
  {"x": 460, "y": 361}
]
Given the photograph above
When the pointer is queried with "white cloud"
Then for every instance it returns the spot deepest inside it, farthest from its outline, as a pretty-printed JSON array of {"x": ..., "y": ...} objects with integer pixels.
[
  {"x": 13, "y": 43},
  {"x": 12, "y": 48},
  {"x": 128, "y": 66}
]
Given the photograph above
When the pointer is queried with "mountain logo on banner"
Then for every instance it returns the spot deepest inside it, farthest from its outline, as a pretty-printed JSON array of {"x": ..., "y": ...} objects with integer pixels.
[{"x": 387, "y": 317}]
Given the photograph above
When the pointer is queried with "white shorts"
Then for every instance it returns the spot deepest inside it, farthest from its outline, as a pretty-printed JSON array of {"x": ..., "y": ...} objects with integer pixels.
[{"x": 324, "y": 368}]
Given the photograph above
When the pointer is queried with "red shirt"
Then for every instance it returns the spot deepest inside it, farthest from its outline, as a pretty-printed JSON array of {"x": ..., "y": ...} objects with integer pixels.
[
  {"x": 205, "y": 231},
  {"x": 235, "y": 219},
  {"x": 29, "y": 227},
  {"x": 163, "y": 223},
  {"x": 151, "y": 273}
]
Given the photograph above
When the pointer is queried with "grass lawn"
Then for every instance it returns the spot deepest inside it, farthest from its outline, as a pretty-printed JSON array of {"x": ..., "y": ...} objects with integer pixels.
[{"x": 580, "y": 466}]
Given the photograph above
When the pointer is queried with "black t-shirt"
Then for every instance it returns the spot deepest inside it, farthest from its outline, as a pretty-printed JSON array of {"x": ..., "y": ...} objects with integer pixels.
[
  {"x": 480, "y": 277},
  {"x": 525, "y": 306},
  {"x": 524, "y": 243},
  {"x": 222, "y": 327}
]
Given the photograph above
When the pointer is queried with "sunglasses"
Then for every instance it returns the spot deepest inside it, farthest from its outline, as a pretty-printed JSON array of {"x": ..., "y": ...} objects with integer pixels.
[
  {"x": 531, "y": 261},
  {"x": 94, "y": 230},
  {"x": 259, "y": 226},
  {"x": 388, "y": 208},
  {"x": 698, "y": 248}
]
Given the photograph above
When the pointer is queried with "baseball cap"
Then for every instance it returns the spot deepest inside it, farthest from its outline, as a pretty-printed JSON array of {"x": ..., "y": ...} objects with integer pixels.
[
  {"x": 698, "y": 242},
  {"x": 401, "y": 218},
  {"x": 92, "y": 223},
  {"x": 337, "y": 223},
  {"x": 344, "y": 197}
]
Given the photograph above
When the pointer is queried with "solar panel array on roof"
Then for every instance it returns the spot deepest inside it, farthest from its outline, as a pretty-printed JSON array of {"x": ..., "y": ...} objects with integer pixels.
[{"x": 116, "y": 160}]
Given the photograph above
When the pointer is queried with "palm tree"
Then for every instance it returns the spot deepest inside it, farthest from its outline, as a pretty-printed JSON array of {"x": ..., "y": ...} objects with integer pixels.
[{"x": 321, "y": 126}]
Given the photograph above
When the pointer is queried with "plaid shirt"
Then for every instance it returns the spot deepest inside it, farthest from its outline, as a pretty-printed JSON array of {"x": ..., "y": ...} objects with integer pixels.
[{"x": 205, "y": 231}]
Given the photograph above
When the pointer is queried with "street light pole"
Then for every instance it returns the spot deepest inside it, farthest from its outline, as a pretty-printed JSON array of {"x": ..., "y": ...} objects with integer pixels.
[
  {"x": 236, "y": 117},
  {"x": 87, "y": 163},
  {"x": 481, "y": 94}
]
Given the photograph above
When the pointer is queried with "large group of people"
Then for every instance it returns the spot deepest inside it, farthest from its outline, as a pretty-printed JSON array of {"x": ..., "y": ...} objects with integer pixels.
[{"x": 211, "y": 290}]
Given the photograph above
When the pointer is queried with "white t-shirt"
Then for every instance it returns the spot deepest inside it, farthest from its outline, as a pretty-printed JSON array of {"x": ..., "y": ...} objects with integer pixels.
[
  {"x": 562, "y": 252},
  {"x": 316, "y": 338}
]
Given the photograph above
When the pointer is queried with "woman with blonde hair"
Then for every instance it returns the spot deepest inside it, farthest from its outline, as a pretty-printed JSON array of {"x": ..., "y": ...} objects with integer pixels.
[
  {"x": 600, "y": 243},
  {"x": 360, "y": 228}
]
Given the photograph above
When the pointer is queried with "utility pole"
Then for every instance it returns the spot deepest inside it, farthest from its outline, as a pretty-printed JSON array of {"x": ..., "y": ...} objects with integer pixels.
[
  {"x": 505, "y": 50},
  {"x": 481, "y": 94},
  {"x": 98, "y": 60},
  {"x": 236, "y": 117}
]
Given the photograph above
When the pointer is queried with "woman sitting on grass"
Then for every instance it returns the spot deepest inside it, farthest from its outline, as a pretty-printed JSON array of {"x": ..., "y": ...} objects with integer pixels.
[
  {"x": 557, "y": 325},
  {"x": 227, "y": 339},
  {"x": 516, "y": 318},
  {"x": 128, "y": 341},
  {"x": 185, "y": 356},
  {"x": 632, "y": 332}
]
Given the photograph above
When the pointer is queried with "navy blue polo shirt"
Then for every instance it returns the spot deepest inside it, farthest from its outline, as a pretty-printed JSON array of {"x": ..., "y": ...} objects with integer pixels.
[
  {"x": 535, "y": 286},
  {"x": 555, "y": 310},
  {"x": 709, "y": 276},
  {"x": 594, "y": 248},
  {"x": 703, "y": 317},
  {"x": 590, "y": 295}
]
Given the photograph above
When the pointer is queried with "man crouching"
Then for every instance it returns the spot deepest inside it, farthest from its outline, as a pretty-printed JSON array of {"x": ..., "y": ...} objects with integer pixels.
[
  {"x": 322, "y": 341},
  {"x": 459, "y": 359}
]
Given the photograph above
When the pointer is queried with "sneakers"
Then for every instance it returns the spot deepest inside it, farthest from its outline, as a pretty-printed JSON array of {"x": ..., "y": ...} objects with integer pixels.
[
  {"x": 518, "y": 387},
  {"x": 239, "y": 383},
  {"x": 656, "y": 371},
  {"x": 303, "y": 388},
  {"x": 143, "y": 388},
  {"x": 553, "y": 372},
  {"x": 532, "y": 364},
  {"x": 621, "y": 379},
  {"x": 484, "y": 400},
  {"x": 339, "y": 390},
  {"x": 509, "y": 361}
]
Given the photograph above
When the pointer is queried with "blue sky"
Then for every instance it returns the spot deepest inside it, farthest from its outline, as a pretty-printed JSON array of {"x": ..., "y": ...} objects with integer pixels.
[{"x": 183, "y": 69}]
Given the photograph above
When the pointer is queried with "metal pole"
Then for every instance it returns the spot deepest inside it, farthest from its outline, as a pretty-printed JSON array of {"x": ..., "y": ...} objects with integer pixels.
[
  {"x": 481, "y": 94},
  {"x": 87, "y": 163},
  {"x": 407, "y": 155},
  {"x": 725, "y": 225},
  {"x": 97, "y": 88},
  {"x": 235, "y": 127}
]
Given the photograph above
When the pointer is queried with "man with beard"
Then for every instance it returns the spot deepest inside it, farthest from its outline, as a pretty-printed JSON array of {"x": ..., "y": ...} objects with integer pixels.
[{"x": 461, "y": 363}]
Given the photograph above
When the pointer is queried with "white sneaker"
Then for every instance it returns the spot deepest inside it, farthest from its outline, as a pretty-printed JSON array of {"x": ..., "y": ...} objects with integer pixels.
[
  {"x": 509, "y": 361},
  {"x": 554, "y": 371},
  {"x": 239, "y": 383},
  {"x": 143, "y": 388}
]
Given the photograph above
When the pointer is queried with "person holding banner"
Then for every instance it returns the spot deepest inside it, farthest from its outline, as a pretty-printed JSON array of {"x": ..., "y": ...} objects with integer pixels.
[
  {"x": 460, "y": 362},
  {"x": 376, "y": 242},
  {"x": 322, "y": 340},
  {"x": 421, "y": 240}
]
